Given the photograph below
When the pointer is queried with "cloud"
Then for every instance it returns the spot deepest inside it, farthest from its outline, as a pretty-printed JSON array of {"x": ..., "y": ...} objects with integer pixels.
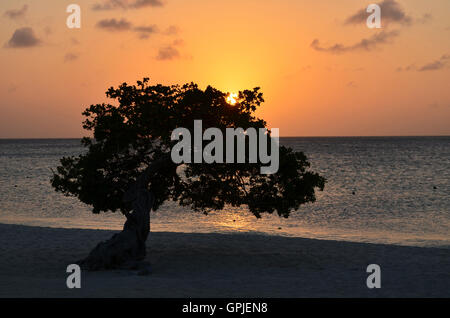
[
  {"x": 408, "y": 68},
  {"x": 146, "y": 31},
  {"x": 137, "y": 4},
  {"x": 436, "y": 65},
  {"x": 12, "y": 88},
  {"x": 48, "y": 30},
  {"x": 366, "y": 44},
  {"x": 352, "y": 84},
  {"x": 113, "y": 25},
  {"x": 23, "y": 38},
  {"x": 70, "y": 57},
  {"x": 172, "y": 30},
  {"x": 434, "y": 105},
  {"x": 126, "y": 4},
  {"x": 167, "y": 53},
  {"x": 391, "y": 11},
  {"x": 178, "y": 42},
  {"x": 427, "y": 17},
  {"x": 17, "y": 13}
]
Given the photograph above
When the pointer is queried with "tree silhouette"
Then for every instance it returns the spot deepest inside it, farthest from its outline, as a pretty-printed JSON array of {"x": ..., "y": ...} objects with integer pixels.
[{"x": 127, "y": 165}]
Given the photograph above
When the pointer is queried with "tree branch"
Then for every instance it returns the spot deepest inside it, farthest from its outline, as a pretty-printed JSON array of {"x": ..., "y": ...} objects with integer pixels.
[{"x": 143, "y": 179}]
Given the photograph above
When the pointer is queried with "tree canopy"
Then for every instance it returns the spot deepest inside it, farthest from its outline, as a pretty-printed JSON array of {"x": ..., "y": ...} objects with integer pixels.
[{"x": 133, "y": 135}]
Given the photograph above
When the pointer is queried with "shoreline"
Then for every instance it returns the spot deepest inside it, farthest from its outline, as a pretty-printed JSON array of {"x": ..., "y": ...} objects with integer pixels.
[{"x": 34, "y": 261}]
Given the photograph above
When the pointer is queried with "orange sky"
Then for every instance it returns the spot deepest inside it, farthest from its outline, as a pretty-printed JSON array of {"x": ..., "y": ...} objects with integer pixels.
[{"x": 389, "y": 81}]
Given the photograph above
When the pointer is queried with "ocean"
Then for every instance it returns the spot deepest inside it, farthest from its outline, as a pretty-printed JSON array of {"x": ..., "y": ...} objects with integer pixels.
[{"x": 390, "y": 190}]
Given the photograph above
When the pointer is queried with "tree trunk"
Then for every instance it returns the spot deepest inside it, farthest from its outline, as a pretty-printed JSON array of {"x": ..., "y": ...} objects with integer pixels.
[{"x": 126, "y": 250}]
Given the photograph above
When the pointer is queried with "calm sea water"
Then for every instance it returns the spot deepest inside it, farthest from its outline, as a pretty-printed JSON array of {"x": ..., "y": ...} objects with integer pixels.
[{"x": 401, "y": 186}]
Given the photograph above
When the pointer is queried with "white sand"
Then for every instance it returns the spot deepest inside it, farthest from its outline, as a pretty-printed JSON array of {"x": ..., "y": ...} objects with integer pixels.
[{"x": 33, "y": 263}]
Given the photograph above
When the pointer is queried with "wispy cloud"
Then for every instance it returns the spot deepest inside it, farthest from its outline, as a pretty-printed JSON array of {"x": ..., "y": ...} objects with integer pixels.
[
  {"x": 48, "y": 30},
  {"x": 352, "y": 84},
  {"x": 433, "y": 105},
  {"x": 126, "y": 4},
  {"x": 70, "y": 57},
  {"x": 12, "y": 88},
  {"x": 17, "y": 13},
  {"x": 366, "y": 44},
  {"x": 178, "y": 42},
  {"x": 113, "y": 25},
  {"x": 137, "y": 4},
  {"x": 171, "y": 30},
  {"x": 146, "y": 31},
  {"x": 168, "y": 53},
  {"x": 436, "y": 65},
  {"x": 408, "y": 68},
  {"x": 391, "y": 11},
  {"x": 23, "y": 38},
  {"x": 427, "y": 17}
]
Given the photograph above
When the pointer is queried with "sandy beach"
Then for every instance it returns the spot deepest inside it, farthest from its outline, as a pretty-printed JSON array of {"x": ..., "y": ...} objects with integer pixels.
[{"x": 33, "y": 264}]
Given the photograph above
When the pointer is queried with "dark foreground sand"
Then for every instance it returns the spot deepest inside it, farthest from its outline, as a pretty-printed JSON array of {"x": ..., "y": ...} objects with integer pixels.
[{"x": 33, "y": 263}]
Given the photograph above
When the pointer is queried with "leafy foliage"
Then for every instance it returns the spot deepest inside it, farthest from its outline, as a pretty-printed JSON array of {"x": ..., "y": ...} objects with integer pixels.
[{"x": 132, "y": 135}]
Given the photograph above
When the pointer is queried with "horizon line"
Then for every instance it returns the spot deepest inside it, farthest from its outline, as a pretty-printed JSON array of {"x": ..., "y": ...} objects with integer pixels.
[{"x": 310, "y": 136}]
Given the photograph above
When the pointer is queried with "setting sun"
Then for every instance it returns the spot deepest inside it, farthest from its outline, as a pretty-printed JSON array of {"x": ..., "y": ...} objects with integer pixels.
[{"x": 232, "y": 98}]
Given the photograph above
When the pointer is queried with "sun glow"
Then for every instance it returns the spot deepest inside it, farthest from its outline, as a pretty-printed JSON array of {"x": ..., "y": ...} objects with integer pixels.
[{"x": 232, "y": 98}]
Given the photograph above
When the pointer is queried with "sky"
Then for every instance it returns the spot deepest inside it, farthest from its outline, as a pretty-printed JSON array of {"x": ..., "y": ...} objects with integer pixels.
[{"x": 323, "y": 72}]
